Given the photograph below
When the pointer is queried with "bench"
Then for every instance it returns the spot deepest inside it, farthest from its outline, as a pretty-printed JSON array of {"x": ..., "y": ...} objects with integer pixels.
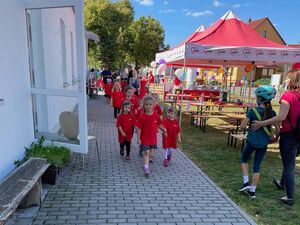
[
  {"x": 22, "y": 188},
  {"x": 203, "y": 120},
  {"x": 234, "y": 136}
]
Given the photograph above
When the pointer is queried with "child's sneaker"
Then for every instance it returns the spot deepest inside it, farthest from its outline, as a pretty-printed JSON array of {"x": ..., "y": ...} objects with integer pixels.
[
  {"x": 151, "y": 159},
  {"x": 245, "y": 187},
  {"x": 127, "y": 158},
  {"x": 169, "y": 158},
  {"x": 146, "y": 170},
  {"x": 121, "y": 152},
  {"x": 251, "y": 194},
  {"x": 166, "y": 162}
]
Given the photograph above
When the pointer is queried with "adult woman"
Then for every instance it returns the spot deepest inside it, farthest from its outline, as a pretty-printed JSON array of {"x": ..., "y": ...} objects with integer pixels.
[
  {"x": 134, "y": 81},
  {"x": 288, "y": 115}
]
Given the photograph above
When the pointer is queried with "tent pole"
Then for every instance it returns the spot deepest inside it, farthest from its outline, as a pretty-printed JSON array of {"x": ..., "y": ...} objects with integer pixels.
[
  {"x": 182, "y": 83},
  {"x": 251, "y": 79}
]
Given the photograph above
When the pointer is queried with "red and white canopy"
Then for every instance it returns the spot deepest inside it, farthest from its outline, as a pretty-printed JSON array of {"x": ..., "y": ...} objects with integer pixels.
[{"x": 229, "y": 42}]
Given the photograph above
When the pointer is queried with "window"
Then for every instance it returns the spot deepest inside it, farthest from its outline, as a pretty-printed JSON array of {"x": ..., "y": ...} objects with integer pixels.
[{"x": 264, "y": 34}]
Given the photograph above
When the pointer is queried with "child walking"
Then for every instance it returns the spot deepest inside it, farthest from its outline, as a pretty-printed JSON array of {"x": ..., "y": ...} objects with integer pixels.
[
  {"x": 107, "y": 90},
  {"x": 147, "y": 130},
  {"x": 125, "y": 125},
  {"x": 116, "y": 98},
  {"x": 129, "y": 95},
  {"x": 173, "y": 131},
  {"x": 257, "y": 141}
]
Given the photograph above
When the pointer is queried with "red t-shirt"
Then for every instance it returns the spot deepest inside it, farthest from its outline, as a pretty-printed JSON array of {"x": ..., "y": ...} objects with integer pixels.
[
  {"x": 107, "y": 89},
  {"x": 158, "y": 110},
  {"x": 126, "y": 122},
  {"x": 123, "y": 84},
  {"x": 148, "y": 125},
  {"x": 143, "y": 90},
  {"x": 134, "y": 104},
  {"x": 151, "y": 79},
  {"x": 292, "y": 98},
  {"x": 117, "y": 97},
  {"x": 173, "y": 130},
  {"x": 139, "y": 112}
]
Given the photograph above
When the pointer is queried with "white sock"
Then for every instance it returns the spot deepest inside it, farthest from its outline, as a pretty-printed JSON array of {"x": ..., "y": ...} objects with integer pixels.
[
  {"x": 165, "y": 153},
  {"x": 253, "y": 188},
  {"x": 246, "y": 179}
]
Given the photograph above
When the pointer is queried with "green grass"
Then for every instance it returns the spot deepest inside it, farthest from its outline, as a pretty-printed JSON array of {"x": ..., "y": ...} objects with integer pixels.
[{"x": 221, "y": 163}]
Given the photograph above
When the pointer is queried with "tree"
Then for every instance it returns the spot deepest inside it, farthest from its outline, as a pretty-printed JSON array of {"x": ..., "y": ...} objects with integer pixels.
[
  {"x": 108, "y": 20},
  {"x": 144, "y": 38}
]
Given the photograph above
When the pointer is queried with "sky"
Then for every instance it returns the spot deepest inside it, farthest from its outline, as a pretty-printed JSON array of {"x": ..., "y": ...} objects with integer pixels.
[{"x": 180, "y": 18}]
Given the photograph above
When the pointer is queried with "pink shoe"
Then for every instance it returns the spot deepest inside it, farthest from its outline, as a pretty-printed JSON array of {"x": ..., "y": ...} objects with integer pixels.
[
  {"x": 166, "y": 162},
  {"x": 146, "y": 171},
  {"x": 169, "y": 158}
]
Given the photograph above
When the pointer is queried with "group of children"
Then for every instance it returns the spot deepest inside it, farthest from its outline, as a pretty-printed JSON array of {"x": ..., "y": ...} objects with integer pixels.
[{"x": 146, "y": 119}]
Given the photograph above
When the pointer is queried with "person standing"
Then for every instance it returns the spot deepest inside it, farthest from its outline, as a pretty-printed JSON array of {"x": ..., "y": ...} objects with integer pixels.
[
  {"x": 106, "y": 74},
  {"x": 147, "y": 126},
  {"x": 125, "y": 125},
  {"x": 257, "y": 141},
  {"x": 116, "y": 98},
  {"x": 289, "y": 113},
  {"x": 173, "y": 131}
]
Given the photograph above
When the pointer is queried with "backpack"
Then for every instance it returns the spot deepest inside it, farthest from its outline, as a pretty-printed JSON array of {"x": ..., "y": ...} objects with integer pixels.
[{"x": 295, "y": 129}]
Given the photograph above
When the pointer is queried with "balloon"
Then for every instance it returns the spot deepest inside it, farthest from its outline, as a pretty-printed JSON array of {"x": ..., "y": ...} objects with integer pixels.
[
  {"x": 162, "y": 68},
  {"x": 162, "y": 61},
  {"x": 212, "y": 77},
  {"x": 205, "y": 75},
  {"x": 178, "y": 72},
  {"x": 145, "y": 71},
  {"x": 197, "y": 73},
  {"x": 153, "y": 64},
  {"x": 181, "y": 77},
  {"x": 176, "y": 81},
  {"x": 220, "y": 70},
  {"x": 248, "y": 68}
]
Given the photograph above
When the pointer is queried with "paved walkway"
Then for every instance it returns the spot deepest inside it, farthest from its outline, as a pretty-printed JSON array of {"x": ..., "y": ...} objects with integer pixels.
[{"x": 114, "y": 191}]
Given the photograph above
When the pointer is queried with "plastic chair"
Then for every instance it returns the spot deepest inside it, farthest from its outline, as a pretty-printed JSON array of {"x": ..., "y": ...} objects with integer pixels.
[{"x": 69, "y": 124}]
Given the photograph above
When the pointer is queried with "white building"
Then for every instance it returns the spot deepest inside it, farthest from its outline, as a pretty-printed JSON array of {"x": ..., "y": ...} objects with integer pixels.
[{"x": 42, "y": 73}]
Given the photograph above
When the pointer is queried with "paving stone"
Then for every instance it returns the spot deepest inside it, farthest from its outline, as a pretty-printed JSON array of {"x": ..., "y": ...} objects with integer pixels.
[{"x": 113, "y": 191}]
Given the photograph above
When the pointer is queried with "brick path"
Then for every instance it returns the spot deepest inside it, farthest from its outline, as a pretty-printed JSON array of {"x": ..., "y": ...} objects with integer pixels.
[{"x": 113, "y": 191}]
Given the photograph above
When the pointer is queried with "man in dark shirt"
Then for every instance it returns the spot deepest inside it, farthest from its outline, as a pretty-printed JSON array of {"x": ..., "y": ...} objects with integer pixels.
[{"x": 105, "y": 74}]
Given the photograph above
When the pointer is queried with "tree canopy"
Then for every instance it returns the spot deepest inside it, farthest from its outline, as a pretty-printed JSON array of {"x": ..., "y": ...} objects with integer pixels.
[{"x": 122, "y": 40}]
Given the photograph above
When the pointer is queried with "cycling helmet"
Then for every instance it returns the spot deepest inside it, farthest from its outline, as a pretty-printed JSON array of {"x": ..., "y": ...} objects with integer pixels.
[{"x": 267, "y": 92}]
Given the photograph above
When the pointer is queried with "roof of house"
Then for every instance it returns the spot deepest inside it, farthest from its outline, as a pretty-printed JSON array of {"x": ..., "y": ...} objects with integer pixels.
[
  {"x": 294, "y": 45},
  {"x": 256, "y": 23}
]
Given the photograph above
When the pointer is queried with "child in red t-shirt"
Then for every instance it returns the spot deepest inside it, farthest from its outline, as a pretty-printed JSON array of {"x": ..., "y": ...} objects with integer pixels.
[
  {"x": 125, "y": 125},
  {"x": 157, "y": 108},
  {"x": 116, "y": 98},
  {"x": 147, "y": 130},
  {"x": 107, "y": 90},
  {"x": 173, "y": 130},
  {"x": 129, "y": 95}
]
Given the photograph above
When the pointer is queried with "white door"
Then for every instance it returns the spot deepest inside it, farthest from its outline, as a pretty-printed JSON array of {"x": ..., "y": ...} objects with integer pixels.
[{"x": 57, "y": 66}]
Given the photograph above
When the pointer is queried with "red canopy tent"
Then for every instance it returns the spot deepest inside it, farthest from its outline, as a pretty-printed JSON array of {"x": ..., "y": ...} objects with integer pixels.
[{"x": 229, "y": 42}]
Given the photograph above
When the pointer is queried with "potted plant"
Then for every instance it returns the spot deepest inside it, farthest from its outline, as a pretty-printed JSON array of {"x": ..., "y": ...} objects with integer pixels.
[{"x": 55, "y": 155}]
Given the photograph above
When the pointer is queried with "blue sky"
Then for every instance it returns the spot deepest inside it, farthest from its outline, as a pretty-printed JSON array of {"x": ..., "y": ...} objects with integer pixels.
[{"x": 180, "y": 18}]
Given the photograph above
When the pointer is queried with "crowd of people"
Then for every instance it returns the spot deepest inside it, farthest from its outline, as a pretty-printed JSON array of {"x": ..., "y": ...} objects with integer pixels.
[{"x": 137, "y": 111}]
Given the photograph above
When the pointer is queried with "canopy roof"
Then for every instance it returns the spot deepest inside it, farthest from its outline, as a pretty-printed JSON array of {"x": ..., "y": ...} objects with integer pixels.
[
  {"x": 229, "y": 42},
  {"x": 194, "y": 36}
]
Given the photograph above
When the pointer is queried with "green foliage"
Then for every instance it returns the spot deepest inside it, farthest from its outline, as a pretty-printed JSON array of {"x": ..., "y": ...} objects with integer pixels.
[
  {"x": 145, "y": 37},
  {"x": 263, "y": 81},
  {"x": 55, "y": 155},
  {"x": 122, "y": 40}
]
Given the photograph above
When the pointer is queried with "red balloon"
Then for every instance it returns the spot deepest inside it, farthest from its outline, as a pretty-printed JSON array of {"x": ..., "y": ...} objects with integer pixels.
[{"x": 176, "y": 81}]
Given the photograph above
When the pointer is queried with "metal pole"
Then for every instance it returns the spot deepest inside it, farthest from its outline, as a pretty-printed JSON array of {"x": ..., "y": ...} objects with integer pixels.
[
  {"x": 251, "y": 79},
  {"x": 184, "y": 64}
]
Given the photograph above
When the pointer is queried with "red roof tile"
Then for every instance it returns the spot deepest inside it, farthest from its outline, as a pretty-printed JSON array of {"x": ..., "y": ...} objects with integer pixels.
[{"x": 255, "y": 23}]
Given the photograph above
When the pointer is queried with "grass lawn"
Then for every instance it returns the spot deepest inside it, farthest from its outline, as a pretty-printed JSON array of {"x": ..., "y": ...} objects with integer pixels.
[{"x": 221, "y": 163}]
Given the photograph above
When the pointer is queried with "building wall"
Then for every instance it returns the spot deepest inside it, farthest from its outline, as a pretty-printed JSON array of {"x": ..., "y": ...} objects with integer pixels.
[{"x": 16, "y": 125}]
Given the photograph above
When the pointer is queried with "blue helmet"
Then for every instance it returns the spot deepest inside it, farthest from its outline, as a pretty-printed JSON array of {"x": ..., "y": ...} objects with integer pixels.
[{"x": 265, "y": 91}]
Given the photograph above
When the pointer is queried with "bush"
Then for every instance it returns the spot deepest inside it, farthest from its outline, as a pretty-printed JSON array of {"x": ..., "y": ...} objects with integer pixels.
[
  {"x": 263, "y": 81},
  {"x": 55, "y": 155}
]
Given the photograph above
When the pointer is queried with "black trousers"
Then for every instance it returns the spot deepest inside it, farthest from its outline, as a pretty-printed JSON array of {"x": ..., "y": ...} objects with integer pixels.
[
  {"x": 116, "y": 112},
  {"x": 122, "y": 145}
]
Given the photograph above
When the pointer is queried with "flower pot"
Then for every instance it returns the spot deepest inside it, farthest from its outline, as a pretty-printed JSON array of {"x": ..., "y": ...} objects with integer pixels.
[{"x": 49, "y": 177}]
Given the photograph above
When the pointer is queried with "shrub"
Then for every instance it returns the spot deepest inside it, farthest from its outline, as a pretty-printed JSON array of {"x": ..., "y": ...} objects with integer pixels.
[{"x": 55, "y": 155}]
